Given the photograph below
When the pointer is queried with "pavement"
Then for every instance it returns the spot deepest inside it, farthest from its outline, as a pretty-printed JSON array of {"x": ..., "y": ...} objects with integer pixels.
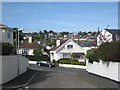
[
  {"x": 36, "y": 71},
  {"x": 20, "y": 81}
]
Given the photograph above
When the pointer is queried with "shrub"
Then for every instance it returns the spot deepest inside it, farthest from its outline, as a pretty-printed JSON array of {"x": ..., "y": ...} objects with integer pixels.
[
  {"x": 7, "y": 48},
  {"x": 38, "y": 58},
  {"x": 92, "y": 55},
  {"x": 70, "y": 61},
  {"x": 106, "y": 51}
]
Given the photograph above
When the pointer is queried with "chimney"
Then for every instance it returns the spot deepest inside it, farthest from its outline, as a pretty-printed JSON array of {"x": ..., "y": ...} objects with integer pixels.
[
  {"x": 57, "y": 42},
  {"x": 30, "y": 39}
]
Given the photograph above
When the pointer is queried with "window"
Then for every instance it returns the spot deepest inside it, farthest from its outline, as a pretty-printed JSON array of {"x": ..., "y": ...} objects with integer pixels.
[
  {"x": 70, "y": 46},
  {"x": 117, "y": 37},
  {"x": 66, "y": 55},
  {"x": 9, "y": 34}
]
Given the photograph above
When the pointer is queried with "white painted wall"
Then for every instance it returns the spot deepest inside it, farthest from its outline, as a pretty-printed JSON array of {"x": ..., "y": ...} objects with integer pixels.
[
  {"x": 72, "y": 66},
  {"x": 105, "y": 69},
  {"x": 9, "y": 67},
  {"x": 107, "y": 35},
  {"x": 55, "y": 56},
  {"x": 57, "y": 43},
  {"x": 5, "y": 36},
  {"x": 76, "y": 48},
  {"x": 0, "y": 35},
  {"x": 30, "y": 51}
]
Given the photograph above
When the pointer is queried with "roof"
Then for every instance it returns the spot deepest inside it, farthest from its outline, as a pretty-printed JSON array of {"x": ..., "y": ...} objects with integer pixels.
[
  {"x": 61, "y": 43},
  {"x": 114, "y": 31},
  {"x": 88, "y": 44},
  {"x": 3, "y": 25},
  {"x": 26, "y": 44}
]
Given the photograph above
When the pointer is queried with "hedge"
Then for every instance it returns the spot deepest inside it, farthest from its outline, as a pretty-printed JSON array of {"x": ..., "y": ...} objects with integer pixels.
[
  {"x": 38, "y": 58},
  {"x": 106, "y": 51},
  {"x": 7, "y": 48},
  {"x": 70, "y": 61}
]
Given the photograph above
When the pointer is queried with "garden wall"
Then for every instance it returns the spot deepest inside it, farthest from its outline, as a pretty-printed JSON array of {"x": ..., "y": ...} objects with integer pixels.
[
  {"x": 9, "y": 67},
  {"x": 72, "y": 66},
  {"x": 106, "y": 69}
]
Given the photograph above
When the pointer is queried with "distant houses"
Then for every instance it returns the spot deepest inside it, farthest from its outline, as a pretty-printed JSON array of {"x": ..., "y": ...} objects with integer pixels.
[{"x": 108, "y": 35}]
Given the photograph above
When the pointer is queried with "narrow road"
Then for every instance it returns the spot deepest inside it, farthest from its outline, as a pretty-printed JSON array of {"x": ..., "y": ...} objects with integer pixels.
[{"x": 58, "y": 78}]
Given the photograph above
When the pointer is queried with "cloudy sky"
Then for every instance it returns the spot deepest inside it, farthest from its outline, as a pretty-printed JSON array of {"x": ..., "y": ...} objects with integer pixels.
[{"x": 60, "y": 16}]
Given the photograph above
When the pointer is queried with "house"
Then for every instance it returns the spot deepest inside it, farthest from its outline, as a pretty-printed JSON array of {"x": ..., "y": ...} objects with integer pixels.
[
  {"x": 71, "y": 49},
  {"x": 27, "y": 47},
  {"x": 88, "y": 45},
  {"x": 66, "y": 49},
  {"x": 108, "y": 35},
  {"x": 13, "y": 65},
  {"x": 6, "y": 34}
]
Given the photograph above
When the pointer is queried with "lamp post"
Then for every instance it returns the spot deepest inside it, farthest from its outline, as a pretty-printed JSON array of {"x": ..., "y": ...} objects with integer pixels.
[{"x": 18, "y": 49}]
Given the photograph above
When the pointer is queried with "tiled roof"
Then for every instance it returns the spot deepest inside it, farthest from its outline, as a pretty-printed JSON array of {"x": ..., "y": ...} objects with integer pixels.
[
  {"x": 26, "y": 44},
  {"x": 3, "y": 25},
  {"x": 61, "y": 43}
]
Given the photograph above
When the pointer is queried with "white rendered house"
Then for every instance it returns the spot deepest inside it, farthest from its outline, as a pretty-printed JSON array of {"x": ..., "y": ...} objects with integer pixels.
[
  {"x": 108, "y": 35},
  {"x": 6, "y": 34},
  {"x": 68, "y": 49},
  {"x": 27, "y": 47}
]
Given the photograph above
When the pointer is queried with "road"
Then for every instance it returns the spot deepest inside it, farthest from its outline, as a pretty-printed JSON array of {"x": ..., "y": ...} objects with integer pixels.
[{"x": 58, "y": 78}]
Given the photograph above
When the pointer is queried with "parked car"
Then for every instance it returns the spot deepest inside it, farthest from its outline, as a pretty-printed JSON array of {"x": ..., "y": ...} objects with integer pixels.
[{"x": 45, "y": 63}]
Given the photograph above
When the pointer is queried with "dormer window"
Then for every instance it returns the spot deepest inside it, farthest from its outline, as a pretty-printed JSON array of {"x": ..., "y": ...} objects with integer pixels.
[{"x": 70, "y": 46}]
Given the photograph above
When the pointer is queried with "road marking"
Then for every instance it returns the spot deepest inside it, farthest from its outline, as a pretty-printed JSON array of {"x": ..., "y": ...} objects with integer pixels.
[
  {"x": 26, "y": 87},
  {"x": 89, "y": 81}
]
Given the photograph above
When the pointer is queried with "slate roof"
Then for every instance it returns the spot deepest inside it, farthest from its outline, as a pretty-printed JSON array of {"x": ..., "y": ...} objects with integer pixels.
[
  {"x": 26, "y": 44},
  {"x": 88, "y": 44},
  {"x": 114, "y": 31}
]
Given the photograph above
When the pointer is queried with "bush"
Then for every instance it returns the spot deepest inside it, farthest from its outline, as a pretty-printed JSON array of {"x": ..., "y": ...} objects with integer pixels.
[
  {"x": 38, "y": 58},
  {"x": 106, "y": 51},
  {"x": 70, "y": 61},
  {"x": 92, "y": 55},
  {"x": 7, "y": 48}
]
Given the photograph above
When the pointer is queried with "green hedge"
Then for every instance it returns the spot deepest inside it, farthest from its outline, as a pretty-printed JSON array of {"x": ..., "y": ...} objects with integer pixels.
[
  {"x": 7, "y": 48},
  {"x": 38, "y": 58},
  {"x": 106, "y": 51},
  {"x": 70, "y": 61}
]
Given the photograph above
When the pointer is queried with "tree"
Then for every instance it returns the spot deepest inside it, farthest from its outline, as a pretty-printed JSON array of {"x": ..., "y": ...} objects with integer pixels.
[
  {"x": 64, "y": 33},
  {"x": 79, "y": 33},
  {"x": 38, "y": 51},
  {"x": 40, "y": 32},
  {"x": 84, "y": 33},
  {"x": 93, "y": 34},
  {"x": 45, "y": 31},
  {"x": 51, "y": 31}
]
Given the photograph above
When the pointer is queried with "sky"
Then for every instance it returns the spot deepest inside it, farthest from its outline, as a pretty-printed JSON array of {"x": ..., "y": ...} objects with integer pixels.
[{"x": 60, "y": 16}]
